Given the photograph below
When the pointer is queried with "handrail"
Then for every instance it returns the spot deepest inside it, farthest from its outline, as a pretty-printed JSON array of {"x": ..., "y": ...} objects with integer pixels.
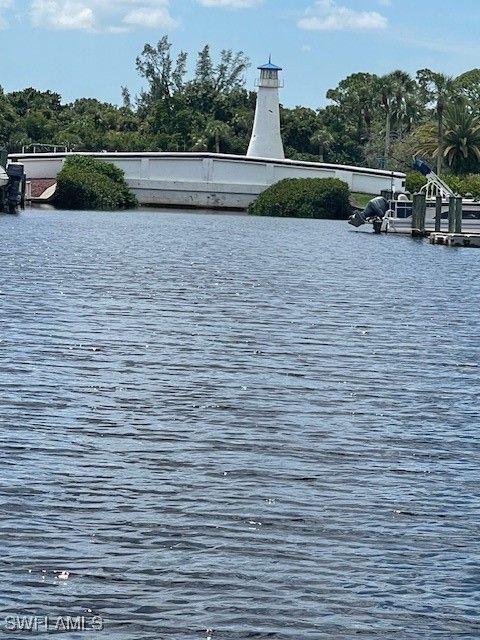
[
  {"x": 39, "y": 147},
  {"x": 435, "y": 186}
]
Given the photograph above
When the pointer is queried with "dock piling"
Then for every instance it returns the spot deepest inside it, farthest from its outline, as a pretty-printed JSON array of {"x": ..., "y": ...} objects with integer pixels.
[
  {"x": 452, "y": 209},
  {"x": 419, "y": 211},
  {"x": 438, "y": 214},
  {"x": 458, "y": 215}
]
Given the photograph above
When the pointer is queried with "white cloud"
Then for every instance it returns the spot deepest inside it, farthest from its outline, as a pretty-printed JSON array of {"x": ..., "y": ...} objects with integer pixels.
[
  {"x": 326, "y": 15},
  {"x": 4, "y": 4},
  {"x": 58, "y": 14},
  {"x": 151, "y": 17},
  {"x": 230, "y": 4},
  {"x": 114, "y": 16}
]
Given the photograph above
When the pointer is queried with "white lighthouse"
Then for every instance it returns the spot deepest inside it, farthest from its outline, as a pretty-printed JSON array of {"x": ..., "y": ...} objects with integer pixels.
[{"x": 266, "y": 141}]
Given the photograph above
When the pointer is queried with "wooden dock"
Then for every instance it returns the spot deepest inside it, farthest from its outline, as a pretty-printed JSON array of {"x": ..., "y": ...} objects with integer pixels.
[
  {"x": 455, "y": 236},
  {"x": 456, "y": 239}
]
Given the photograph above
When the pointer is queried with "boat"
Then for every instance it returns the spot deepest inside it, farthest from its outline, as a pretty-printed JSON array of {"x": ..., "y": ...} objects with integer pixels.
[
  {"x": 392, "y": 213},
  {"x": 12, "y": 187}
]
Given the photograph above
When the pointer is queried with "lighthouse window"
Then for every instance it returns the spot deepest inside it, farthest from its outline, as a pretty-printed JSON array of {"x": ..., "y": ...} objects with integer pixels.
[{"x": 268, "y": 74}]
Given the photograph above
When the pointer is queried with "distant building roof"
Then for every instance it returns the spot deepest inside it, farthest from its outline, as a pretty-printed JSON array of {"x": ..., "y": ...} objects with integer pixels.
[{"x": 270, "y": 65}]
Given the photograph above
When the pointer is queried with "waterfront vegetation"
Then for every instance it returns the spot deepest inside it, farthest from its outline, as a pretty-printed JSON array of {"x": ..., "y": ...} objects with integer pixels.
[
  {"x": 304, "y": 198},
  {"x": 370, "y": 120},
  {"x": 359, "y": 199},
  {"x": 87, "y": 183},
  {"x": 464, "y": 185}
]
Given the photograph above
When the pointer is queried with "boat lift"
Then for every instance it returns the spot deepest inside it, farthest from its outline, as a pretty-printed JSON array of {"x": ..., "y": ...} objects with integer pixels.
[{"x": 435, "y": 185}]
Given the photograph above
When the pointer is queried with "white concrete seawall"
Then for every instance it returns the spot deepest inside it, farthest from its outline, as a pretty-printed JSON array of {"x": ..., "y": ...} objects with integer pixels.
[{"x": 209, "y": 180}]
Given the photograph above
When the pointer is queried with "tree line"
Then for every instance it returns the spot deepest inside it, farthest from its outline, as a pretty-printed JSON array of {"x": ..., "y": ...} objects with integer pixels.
[{"x": 371, "y": 120}]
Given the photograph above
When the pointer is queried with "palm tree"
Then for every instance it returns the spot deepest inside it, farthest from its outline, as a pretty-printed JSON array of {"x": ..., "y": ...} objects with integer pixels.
[
  {"x": 322, "y": 139},
  {"x": 219, "y": 131},
  {"x": 406, "y": 106},
  {"x": 439, "y": 88},
  {"x": 387, "y": 95},
  {"x": 396, "y": 90},
  {"x": 200, "y": 143},
  {"x": 461, "y": 139},
  {"x": 354, "y": 96}
]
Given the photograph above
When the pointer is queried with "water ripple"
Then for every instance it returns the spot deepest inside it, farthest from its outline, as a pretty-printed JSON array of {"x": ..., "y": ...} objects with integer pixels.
[{"x": 224, "y": 427}]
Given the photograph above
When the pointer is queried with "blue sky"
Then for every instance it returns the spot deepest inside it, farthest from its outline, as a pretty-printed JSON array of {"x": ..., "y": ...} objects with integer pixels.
[{"x": 88, "y": 47}]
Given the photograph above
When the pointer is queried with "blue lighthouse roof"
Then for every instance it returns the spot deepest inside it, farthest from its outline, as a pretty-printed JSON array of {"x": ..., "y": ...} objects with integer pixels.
[{"x": 269, "y": 65}]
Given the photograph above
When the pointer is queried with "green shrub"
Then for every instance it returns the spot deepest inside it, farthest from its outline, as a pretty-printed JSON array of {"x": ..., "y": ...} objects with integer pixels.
[
  {"x": 304, "y": 198},
  {"x": 87, "y": 183},
  {"x": 459, "y": 184},
  {"x": 415, "y": 181},
  {"x": 465, "y": 184}
]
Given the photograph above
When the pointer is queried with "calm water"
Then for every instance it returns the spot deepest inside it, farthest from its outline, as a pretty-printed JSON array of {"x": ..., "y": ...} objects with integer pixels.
[{"x": 229, "y": 427}]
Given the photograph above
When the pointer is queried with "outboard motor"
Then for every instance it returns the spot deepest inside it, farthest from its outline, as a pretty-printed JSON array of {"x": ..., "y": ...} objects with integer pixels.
[
  {"x": 373, "y": 212},
  {"x": 14, "y": 191}
]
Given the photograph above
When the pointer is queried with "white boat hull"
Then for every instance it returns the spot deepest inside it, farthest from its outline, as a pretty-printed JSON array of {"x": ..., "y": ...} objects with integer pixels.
[{"x": 399, "y": 219}]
